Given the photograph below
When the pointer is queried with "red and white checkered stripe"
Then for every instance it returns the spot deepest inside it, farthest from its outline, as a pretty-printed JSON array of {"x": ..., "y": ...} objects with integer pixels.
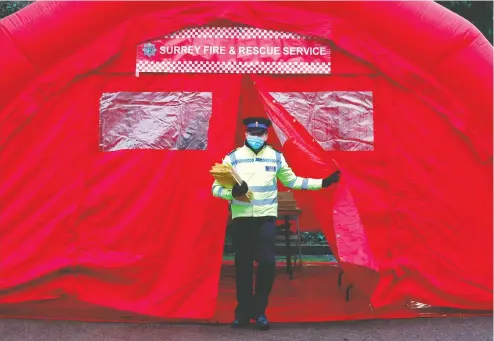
[
  {"x": 230, "y": 67},
  {"x": 233, "y": 32}
]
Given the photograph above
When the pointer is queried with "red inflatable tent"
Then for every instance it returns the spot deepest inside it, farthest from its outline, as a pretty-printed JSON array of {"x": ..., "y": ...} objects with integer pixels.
[{"x": 95, "y": 226}]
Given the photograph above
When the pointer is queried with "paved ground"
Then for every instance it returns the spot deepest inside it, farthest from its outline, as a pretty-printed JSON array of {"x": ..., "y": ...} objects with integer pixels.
[{"x": 438, "y": 329}]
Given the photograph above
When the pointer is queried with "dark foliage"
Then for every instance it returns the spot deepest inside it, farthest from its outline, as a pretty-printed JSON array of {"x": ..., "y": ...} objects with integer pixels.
[{"x": 478, "y": 13}]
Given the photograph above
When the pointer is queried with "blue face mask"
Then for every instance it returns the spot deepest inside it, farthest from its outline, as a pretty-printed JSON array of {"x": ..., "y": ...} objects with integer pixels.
[{"x": 255, "y": 142}]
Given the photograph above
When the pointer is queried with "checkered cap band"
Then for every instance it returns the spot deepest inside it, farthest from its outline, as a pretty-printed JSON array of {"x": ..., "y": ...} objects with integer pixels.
[
  {"x": 233, "y": 32},
  {"x": 230, "y": 67}
]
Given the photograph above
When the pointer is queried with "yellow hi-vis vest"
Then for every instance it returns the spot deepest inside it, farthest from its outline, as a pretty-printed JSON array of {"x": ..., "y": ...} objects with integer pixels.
[{"x": 260, "y": 172}]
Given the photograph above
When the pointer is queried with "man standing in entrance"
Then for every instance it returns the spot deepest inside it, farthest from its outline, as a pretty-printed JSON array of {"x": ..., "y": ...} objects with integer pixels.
[{"x": 254, "y": 222}]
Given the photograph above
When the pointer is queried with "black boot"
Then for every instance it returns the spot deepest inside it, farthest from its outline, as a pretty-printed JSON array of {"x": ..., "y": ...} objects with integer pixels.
[
  {"x": 240, "y": 322},
  {"x": 262, "y": 322}
]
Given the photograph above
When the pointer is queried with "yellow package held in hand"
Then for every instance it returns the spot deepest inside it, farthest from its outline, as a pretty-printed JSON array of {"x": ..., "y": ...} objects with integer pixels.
[
  {"x": 223, "y": 174},
  {"x": 228, "y": 177}
]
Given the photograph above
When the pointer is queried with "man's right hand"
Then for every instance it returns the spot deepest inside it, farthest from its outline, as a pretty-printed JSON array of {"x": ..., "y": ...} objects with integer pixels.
[
  {"x": 333, "y": 178},
  {"x": 240, "y": 190}
]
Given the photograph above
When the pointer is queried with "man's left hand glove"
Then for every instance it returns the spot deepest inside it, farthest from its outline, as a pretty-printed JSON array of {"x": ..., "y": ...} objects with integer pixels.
[
  {"x": 333, "y": 178},
  {"x": 240, "y": 190}
]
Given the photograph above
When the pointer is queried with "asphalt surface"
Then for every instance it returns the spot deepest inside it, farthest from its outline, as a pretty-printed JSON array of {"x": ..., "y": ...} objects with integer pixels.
[{"x": 427, "y": 329}]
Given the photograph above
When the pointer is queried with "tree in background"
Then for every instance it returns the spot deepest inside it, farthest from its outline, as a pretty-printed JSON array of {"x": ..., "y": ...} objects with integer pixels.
[
  {"x": 9, "y": 7},
  {"x": 478, "y": 13}
]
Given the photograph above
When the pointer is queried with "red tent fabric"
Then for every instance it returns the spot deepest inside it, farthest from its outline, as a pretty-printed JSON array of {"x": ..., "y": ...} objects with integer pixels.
[{"x": 102, "y": 228}]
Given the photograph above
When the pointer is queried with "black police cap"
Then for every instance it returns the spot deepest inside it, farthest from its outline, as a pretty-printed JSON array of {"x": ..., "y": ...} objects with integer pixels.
[{"x": 257, "y": 124}]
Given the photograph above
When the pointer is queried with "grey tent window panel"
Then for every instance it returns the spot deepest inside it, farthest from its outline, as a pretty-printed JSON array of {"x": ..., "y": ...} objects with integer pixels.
[
  {"x": 155, "y": 120},
  {"x": 337, "y": 120}
]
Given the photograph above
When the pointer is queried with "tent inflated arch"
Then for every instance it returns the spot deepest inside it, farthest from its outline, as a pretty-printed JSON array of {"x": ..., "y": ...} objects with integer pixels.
[{"x": 85, "y": 228}]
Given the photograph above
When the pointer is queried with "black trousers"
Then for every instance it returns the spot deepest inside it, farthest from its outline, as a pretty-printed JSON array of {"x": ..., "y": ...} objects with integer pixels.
[{"x": 254, "y": 240}]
